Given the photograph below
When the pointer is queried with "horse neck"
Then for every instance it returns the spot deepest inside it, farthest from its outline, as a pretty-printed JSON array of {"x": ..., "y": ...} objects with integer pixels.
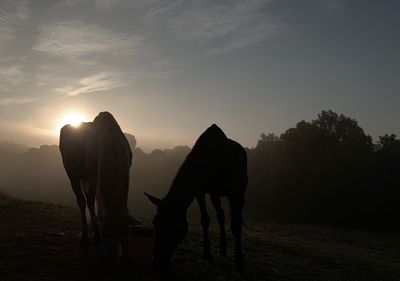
[{"x": 180, "y": 196}]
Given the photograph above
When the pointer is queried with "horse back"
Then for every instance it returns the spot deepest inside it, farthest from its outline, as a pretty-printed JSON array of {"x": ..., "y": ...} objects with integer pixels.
[{"x": 73, "y": 147}]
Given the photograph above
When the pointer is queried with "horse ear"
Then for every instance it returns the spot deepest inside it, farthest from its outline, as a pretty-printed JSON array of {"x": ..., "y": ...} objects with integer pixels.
[{"x": 153, "y": 199}]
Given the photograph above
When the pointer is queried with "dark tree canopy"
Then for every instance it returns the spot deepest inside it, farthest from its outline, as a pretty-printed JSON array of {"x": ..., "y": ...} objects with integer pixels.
[{"x": 326, "y": 171}]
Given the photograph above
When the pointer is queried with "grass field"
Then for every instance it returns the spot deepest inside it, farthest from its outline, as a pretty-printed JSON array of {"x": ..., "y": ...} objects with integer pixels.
[{"x": 40, "y": 241}]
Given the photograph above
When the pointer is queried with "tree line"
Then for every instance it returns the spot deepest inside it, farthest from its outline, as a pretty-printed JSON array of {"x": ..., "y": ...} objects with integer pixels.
[{"x": 326, "y": 171}]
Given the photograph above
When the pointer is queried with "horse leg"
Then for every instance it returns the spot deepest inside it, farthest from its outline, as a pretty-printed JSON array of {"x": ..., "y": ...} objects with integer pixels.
[
  {"x": 126, "y": 256},
  {"x": 216, "y": 201},
  {"x": 81, "y": 201},
  {"x": 205, "y": 223},
  {"x": 91, "y": 199},
  {"x": 236, "y": 228}
]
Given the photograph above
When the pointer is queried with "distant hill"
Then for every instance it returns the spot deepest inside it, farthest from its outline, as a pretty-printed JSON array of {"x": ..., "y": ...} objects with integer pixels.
[
  {"x": 12, "y": 147},
  {"x": 7, "y": 146}
]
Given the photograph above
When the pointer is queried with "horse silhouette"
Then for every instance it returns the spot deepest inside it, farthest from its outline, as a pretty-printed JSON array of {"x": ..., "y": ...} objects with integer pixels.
[
  {"x": 99, "y": 154},
  {"x": 217, "y": 166},
  {"x": 73, "y": 147}
]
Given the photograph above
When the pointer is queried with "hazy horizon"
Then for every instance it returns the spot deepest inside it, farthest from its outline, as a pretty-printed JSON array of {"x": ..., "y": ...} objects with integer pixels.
[{"x": 168, "y": 69}]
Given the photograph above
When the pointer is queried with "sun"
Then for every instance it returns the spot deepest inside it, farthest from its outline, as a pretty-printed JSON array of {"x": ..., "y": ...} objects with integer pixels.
[{"x": 73, "y": 118}]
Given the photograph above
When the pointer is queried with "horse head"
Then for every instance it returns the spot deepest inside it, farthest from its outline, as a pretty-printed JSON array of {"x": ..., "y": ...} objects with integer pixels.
[
  {"x": 113, "y": 230},
  {"x": 170, "y": 227}
]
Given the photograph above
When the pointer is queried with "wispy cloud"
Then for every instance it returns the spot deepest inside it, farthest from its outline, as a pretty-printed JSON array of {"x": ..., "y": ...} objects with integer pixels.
[
  {"x": 11, "y": 14},
  {"x": 163, "y": 7},
  {"x": 4, "y": 101},
  {"x": 106, "y": 4},
  {"x": 99, "y": 4},
  {"x": 237, "y": 24},
  {"x": 99, "y": 82},
  {"x": 77, "y": 39},
  {"x": 7, "y": 34},
  {"x": 14, "y": 11},
  {"x": 158, "y": 69},
  {"x": 245, "y": 37},
  {"x": 333, "y": 7},
  {"x": 11, "y": 75},
  {"x": 22, "y": 11},
  {"x": 68, "y": 3}
]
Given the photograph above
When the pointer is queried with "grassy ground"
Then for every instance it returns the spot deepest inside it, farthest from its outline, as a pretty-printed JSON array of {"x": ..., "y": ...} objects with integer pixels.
[{"x": 41, "y": 242}]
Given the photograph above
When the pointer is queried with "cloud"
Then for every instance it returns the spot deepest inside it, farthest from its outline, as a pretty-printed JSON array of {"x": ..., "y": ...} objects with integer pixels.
[
  {"x": 333, "y": 7},
  {"x": 11, "y": 75},
  {"x": 158, "y": 69},
  {"x": 77, "y": 39},
  {"x": 4, "y": 101},
  {"x": 235, "y": 25},
  {"x": 106, "y": 5},
  {"x": 22, "y": 11},
  {"x": 68, "y": 3},
  {"x": 7, "y": 34},
  {"x": 11, "y": 14},
  {"x": 10, "y": 78},
  {"x": 24, "y": 132},
  {"x": 99, "y": 82},
  {"x": 250, "y": 36},
  {"x": 162, "y": 7}
]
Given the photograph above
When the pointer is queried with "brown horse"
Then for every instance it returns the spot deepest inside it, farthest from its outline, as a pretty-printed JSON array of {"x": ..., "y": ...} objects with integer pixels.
[
  {"x": 108, "y": 161},
  {"x": 73, "y": 147},
  {"x": 99, "y": 154},
  {"x": 217, "y": 166}
]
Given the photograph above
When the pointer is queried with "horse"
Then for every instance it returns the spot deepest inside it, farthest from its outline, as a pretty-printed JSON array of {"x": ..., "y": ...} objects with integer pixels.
[
  {"x": 217, "y": 166},
  {"x": 109, "y": 158},
  {"x": 99, "y": 154},
  {"x": 73, "y": 146}
]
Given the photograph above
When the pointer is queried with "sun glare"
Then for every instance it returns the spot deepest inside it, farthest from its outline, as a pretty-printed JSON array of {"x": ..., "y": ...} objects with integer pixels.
[{"x": 72, "y": 118}]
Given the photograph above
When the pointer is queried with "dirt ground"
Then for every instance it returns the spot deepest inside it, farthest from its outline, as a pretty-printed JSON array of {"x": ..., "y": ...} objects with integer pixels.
[{"x": 40, "y": 241}]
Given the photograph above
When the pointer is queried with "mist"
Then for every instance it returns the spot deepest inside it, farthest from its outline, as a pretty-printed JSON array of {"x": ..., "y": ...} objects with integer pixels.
[{"x": 324, "y": 171}]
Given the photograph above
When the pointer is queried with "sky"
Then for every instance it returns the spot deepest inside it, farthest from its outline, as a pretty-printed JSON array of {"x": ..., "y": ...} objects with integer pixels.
[{"x": 169, "y": 69}]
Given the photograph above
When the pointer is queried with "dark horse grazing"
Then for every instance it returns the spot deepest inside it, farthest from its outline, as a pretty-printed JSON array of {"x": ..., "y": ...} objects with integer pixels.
[
  {"x": 218, "y": 166},
  {"x": 99, "y": 154},
  {"x": 73, "y": 147}
]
